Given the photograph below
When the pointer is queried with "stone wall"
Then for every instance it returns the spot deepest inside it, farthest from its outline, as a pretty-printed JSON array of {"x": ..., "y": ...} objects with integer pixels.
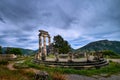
[{"x": 7, "y": 56}]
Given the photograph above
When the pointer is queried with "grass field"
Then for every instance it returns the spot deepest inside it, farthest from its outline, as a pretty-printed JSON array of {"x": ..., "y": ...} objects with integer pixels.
[
  {"x": 112, "y": 68},
  {"x": 55, "y": 73},
  {"x": 6, "y": 74}
]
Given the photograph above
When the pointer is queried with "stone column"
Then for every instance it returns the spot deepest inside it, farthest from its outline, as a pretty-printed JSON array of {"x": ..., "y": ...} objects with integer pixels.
[
  {"x": 56, "y": 57},
  {"x": 88, "y": 57},
  {"x": 40, "y": 45},
  {"x": 70, "y": 56},
  {"x": 49, "y": 40},
  {"x": 44, "y": 39}
]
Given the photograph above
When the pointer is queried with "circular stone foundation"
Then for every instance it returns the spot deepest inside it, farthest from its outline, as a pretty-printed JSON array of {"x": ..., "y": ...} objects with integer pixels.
[{"x": 74, "y": 64}]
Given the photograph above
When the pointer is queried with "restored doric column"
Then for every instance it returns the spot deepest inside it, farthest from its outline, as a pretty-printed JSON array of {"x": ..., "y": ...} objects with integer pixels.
[
  {"x": 49, "y": 40},
  {"x": 40, "y": 45},
  {"x": 44, "y": 39}
]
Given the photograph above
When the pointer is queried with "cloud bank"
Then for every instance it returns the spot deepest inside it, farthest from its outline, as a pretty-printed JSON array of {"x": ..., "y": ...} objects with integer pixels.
[{"x": 78, "y": 21}]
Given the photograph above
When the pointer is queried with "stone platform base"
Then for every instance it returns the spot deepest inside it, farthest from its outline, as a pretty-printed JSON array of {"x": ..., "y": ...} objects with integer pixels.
[{"x": 73, "y": 64}]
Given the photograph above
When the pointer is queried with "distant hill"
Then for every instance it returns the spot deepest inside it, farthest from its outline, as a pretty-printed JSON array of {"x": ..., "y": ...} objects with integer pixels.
[
  {"x": 27, "y": 51},
  {"x": 24, "y": 51},
  {"x": 93, "y": 46},
  {"x": 101, "y": 45}
]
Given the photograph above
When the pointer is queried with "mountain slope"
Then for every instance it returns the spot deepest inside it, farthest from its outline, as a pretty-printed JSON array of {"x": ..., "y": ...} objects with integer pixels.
[
  {"x": 24, "y": 51},
  {"x": 101, "y": 45}
]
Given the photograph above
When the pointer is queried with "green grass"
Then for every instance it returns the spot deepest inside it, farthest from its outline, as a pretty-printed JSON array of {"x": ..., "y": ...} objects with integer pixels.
[
  {"x": 112, "y": 68},
  {"x": 20, "y": 74},
  {"x": 51, "y": 56},
  {"x": 23, "y": 65}
]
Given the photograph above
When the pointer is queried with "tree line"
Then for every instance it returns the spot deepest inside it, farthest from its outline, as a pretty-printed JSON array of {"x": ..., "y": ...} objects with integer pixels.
[{"x": 10, "y": 50}]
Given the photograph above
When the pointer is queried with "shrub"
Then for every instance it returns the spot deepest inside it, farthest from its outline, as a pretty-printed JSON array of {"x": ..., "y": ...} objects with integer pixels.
[
  {"x": 110, "y": 54},
  {"x": 3, "y": 62},
  {"x": 58, "y": 76}
]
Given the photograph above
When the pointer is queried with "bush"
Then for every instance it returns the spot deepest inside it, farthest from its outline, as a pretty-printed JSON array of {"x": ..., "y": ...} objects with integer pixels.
[
  {"x": 110, "y": 61},
  {"x": 3, "y": 62},
  {"x": 110, "y": 54},
  {"x": 20, "y": 65},
  {"x": 58, "y": 76}
]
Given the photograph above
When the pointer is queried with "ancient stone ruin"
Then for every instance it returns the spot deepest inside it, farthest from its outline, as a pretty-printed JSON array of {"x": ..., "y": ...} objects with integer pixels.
[
  {"x": 69, "y": 61},
  {"x": 42, "y": 53}
]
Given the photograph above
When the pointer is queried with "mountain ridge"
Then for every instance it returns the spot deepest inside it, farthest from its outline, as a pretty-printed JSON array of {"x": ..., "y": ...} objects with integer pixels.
[
  {"x": 92, "y": 46},
  {"x": 101, "y": 45},
  {"x": 24, "y": 51}
]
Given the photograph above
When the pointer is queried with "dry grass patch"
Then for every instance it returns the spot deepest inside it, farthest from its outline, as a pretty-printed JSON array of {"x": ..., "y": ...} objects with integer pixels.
[
  {"x": 58, "y": 76},
  {"x": 6, "y": 74}
]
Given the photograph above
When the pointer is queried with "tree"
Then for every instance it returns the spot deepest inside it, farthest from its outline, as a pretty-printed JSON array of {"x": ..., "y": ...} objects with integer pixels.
[
  {"x": 16, "y": 51},
  {"x": 0, "y": 49},
  {"x": 61, "y": 44},
  {"x": 8, "y": 50},
  {"x": 109, "y": 53},
  {"x": 66, "y": 47}
]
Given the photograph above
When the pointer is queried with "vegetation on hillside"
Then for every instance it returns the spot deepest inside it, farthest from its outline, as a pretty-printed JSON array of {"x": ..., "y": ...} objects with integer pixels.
[
  {"x": 64, "y": 46},
  {"x": 16, "y": 51},
  {"x": 110, "y": 54},
  {"x": 101, "y": 45},
  {"x": 24, "y": 51}
]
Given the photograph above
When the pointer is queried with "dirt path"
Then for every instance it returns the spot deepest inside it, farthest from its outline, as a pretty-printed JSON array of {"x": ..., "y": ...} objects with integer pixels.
[
  {"x": 78, "y": 77},
  {"x": 32, "y": 70},
  {"x": 10, "y": 66},
  {"x": 115, "y": 60},
  {"x": 81, "y": 77}
]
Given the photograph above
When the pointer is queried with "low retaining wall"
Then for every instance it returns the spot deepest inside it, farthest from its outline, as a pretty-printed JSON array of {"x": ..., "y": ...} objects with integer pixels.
[
  {"x": 76, "y": 65},
  {"x": 7, "y": 56}
]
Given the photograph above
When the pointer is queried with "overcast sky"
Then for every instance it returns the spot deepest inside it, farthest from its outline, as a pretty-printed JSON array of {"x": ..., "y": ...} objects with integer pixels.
[{"x": 77, "y": 21}]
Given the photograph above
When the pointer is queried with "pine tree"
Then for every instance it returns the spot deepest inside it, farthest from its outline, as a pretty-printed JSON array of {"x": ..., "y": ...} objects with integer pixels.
[
  {"x": 0, "y": 49},
  {"x": 61, "y": 44}
]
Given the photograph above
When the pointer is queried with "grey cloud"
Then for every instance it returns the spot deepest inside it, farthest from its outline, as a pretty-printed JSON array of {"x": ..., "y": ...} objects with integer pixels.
[
  {"x": 2, "y": 42},
  {"x": 28, "y": 27},
  {"x": 97, "y": 19},
  {"x": 17, "y": 11},
  {"x": 21, "y": 12},
  {"x": 2, "y": 20},
  {"x": 34, "y": 41},
  {"x": 14, "y": 38},
  {"x": 22, "y": 39}
]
